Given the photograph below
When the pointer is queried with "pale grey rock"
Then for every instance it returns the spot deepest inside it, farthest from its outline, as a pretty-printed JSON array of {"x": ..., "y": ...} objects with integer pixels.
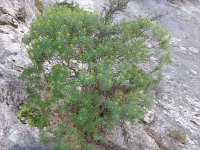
[
  {"x": 130, "y": 137},
  {"x": 13, "y": 59},
  {"x": 137, "y": 138},
  {"x": 16, "y": 136},
  {"x": 118, "y": 136},
  {"x": 194, "y": 50}
]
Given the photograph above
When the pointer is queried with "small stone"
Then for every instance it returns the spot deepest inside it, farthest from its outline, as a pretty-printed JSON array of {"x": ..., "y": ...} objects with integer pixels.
[
  {"x": 194, "y": 50},
  {"x": 153, "y": 59},
  {"x": 193, "y": 72},
  {"x": 185, "y": 85},
  {"x": 182, "y": 48}
]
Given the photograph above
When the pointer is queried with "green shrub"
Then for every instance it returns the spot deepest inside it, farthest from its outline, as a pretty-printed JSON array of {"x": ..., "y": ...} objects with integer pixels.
[{"x": 94, "y": 78}]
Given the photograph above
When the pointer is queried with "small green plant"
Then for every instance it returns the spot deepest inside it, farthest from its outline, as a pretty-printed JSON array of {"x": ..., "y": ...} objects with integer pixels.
[
  {"x": 39, "y": 5},
  {"x": 94, "y": 77},
  {"x": 178, "y": 136},
  {"x": 21, "y": 14}
]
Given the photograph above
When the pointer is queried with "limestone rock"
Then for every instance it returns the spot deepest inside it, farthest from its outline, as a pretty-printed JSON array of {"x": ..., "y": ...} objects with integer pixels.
[
  {"x": 129, "y": 137},
  {"x": 13, "y": 58},
  {"x": 16, "y": 136}
]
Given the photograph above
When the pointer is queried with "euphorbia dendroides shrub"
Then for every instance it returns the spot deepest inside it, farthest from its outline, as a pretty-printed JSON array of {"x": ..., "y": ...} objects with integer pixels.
[{"x": 88, "y": 73}]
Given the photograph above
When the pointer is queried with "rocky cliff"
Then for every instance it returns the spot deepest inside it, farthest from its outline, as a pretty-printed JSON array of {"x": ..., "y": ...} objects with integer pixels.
[{"x": 174, "y": 121}]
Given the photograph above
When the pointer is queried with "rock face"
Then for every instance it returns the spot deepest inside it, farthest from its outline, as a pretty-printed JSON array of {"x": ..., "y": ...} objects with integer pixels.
[
  {"x": 177, "y": 106},
  {"x": 132, "y": 137},
  {"x": 16, "y": 136},
  {"x": 13, "y": 58}
]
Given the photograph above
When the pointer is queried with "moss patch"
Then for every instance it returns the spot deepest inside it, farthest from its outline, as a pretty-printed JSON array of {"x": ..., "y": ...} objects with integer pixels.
[
  {"x": 39, "y": 5},
  {"x": 178, "y": 136},
  {"x": 21, "y": 14}
]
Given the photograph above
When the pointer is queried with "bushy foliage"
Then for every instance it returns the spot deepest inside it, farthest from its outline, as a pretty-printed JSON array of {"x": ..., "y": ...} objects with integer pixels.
[{"x": 87, "y": 73}]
